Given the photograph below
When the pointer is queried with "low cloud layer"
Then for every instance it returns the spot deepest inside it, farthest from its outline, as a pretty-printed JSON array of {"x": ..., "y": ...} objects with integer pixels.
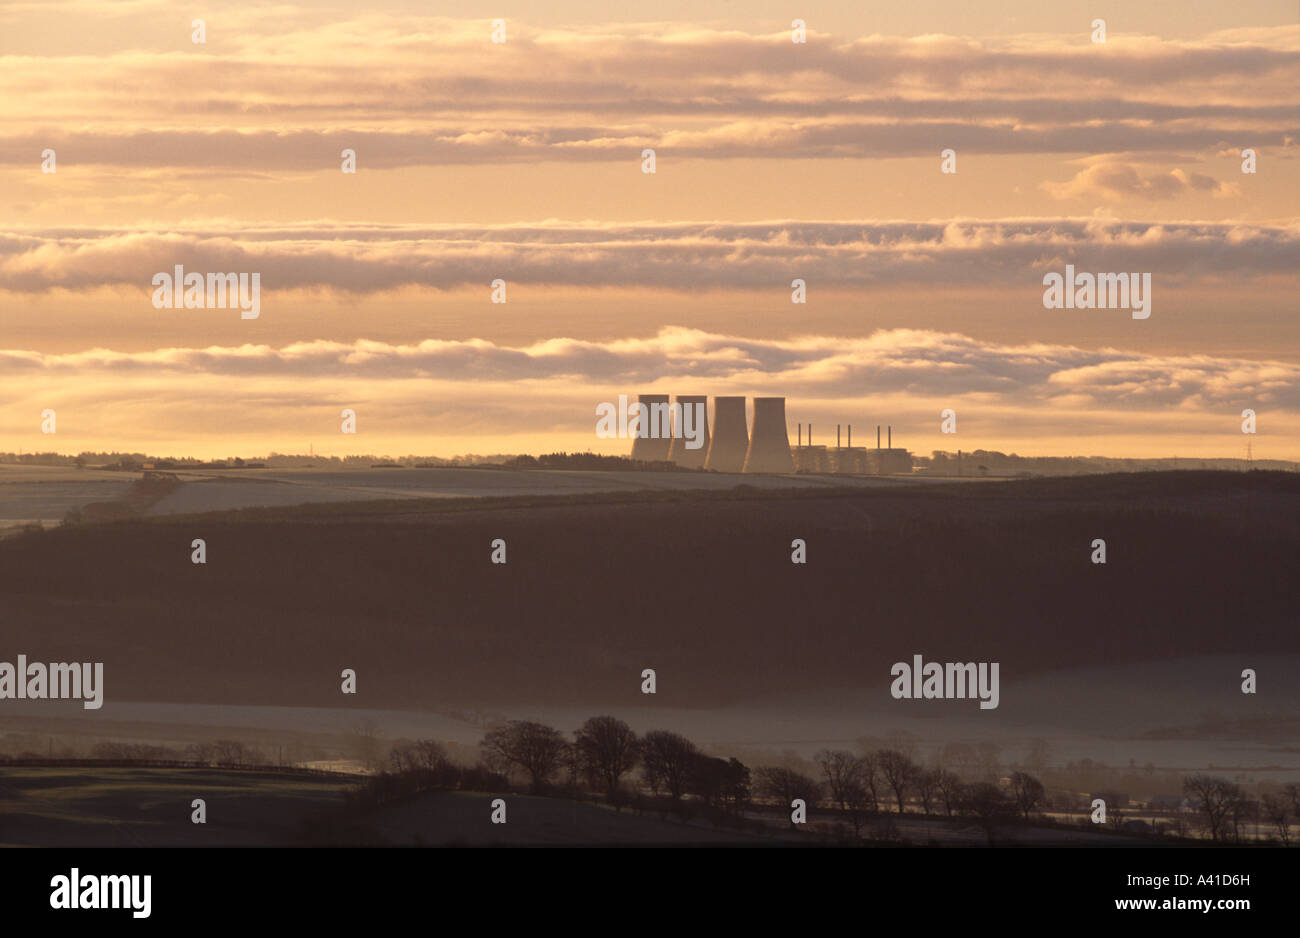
[
  {"x": 364, "y": 259},
  {"x": 898, "y": 361},
  {"x": 440, "y": 397}
]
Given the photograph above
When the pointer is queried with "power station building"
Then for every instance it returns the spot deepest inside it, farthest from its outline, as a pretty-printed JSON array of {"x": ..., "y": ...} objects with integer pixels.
[
  {"x": 732, "y": 444},
  {"x": 850, "y": 459}
]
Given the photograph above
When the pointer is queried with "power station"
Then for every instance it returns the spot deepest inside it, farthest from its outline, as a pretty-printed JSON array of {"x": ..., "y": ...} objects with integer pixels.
[
  {"x": 654, "y": 435},
  {"x": 679, "y": 452},
  {"x": 769, "y": 444},
  {"x": 858, "y": 460},
  {"x": 730, "y": 436},
  {"x": 732, "y": 444}
]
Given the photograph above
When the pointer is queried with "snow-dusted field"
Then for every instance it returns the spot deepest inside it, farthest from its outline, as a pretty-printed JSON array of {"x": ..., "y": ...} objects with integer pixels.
[
  {"x": 221, "y": 490},
  {"x": 44, "y": 494}
]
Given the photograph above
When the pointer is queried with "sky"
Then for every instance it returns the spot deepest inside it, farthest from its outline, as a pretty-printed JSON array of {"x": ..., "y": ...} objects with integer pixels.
[{"x": 522, "y": 161}]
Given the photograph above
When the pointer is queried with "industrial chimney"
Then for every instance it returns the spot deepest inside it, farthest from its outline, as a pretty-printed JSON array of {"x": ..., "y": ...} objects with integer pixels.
[
  {"x": 769, "y": 444},
  {"x": 654, "y": 431},
  {"x": 679, "y": 452},
  {"x": 730, "y": 439}
]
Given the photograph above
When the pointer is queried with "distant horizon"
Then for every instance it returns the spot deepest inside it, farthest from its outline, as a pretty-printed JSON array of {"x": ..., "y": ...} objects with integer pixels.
[{"x": 489, "y": 456}]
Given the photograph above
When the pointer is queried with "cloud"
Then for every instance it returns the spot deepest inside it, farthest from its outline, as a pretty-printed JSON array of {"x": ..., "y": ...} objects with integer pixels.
[
  {"x": 478, "y": 396},
  {"x": 680, "y": 256},
  {"x": 279, "y": 92},
  {"x": 919, "y": 363},
  {"x": 1118, "y": 181}
]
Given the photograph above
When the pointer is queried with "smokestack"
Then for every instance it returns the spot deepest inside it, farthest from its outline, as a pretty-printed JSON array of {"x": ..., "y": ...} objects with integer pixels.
[
  {"x": 801, "y": 434},
  {"x": 837, "y": 436},
  {"x": 730, "y": 439},
  {"x": 654, "y": 432},
  {"x": 877, "y": 436},
  {"x": 769, "y": 444},
  {"x": 678, "y": 451},
  {"x": 889, "y": 439},
  {"x": 850, "y": 436}
]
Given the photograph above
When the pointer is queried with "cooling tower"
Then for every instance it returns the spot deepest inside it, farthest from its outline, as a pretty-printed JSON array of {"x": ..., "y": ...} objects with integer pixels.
[
  {"x": 679, "y": 452},
  {"x": 730, "y": 436},
  {"x": 769, "y": 444},
  {"x": 652, "y": 439}
]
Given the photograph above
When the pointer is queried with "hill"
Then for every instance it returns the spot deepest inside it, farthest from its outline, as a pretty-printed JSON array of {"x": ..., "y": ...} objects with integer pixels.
[{"x": 698, "y": 585}]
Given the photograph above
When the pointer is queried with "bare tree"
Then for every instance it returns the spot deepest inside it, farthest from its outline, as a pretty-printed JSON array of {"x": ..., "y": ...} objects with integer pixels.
[
  {"x": 1292, "y": 793},
  {"x": 785, "y": 785},
  {"x": 667, "y": 759},
  {"x": 422, "y": 754},
  {"x": 898, "y": 771},
  {"x": 846, "y": 776},
  {"x": 841, "y": 769},
  {"x": 1027, "y": 792},
  {"x": 228, "y": 752},
  {"x": 1244, "y": 809},
  {"x": 535, "y": 748},
  {"x": 737, "y": 785},
  {"x": 608, "y": 749},
  {"x": 202, "y": 753},
  {"x": 856, "y": 798},
  {"x": 870, "y": 779},
  {"x": 927, "y": 787},
  {"x": 950, "y": 786},
  {"x": 1217, "y": 802},
  {"x": 1277, "y": 810},
  {"x": 430, "y": 754}
]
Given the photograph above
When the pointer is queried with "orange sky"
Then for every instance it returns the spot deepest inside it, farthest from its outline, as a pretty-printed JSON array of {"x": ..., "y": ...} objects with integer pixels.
[{"x": 522, "y": 161}]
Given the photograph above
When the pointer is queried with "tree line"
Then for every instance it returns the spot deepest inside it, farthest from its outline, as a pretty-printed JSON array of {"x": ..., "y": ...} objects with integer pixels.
[{"x": 606, "y": 757}]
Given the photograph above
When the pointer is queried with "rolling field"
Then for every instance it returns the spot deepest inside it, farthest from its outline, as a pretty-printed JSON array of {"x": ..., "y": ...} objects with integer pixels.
[
  {"x": 697, "y": 585},
  {"x": 136, "y": 807},
  {"x": 150, "y": 807},
  {"x": 44, "y": 494}
]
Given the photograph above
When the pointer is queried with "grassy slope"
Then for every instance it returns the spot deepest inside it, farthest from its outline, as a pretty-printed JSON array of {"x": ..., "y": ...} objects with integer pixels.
[{"x": 106, "y": 807}]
